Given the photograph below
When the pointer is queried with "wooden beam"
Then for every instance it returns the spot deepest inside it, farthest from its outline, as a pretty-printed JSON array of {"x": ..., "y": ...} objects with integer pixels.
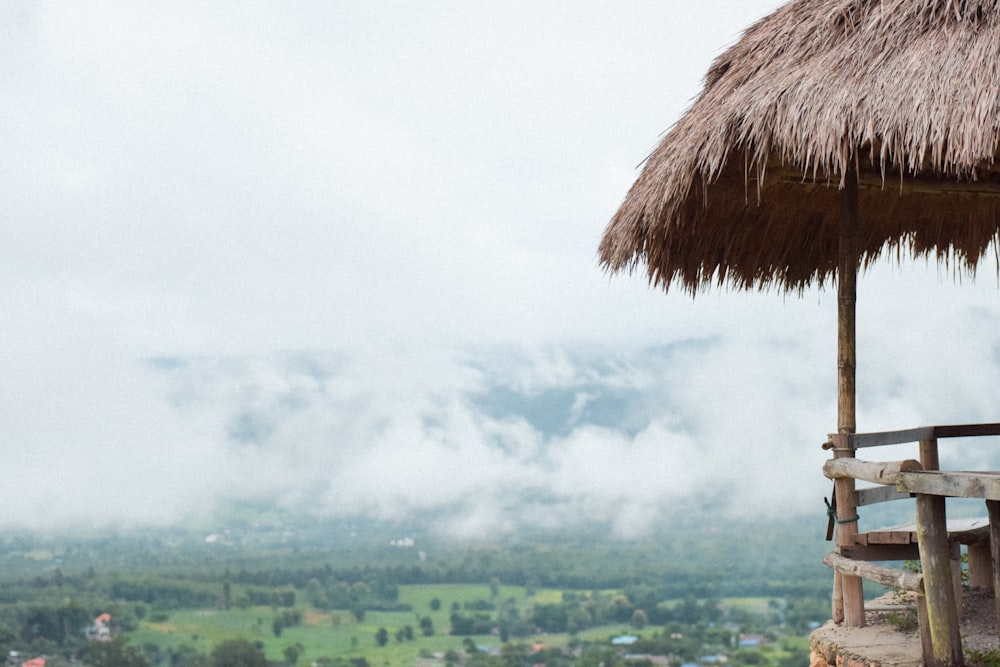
[
  {"x": 952, "y": 484},
  {"x": 942, "y": 609},
  {"x": 878, "y": 494},
  {"x": 966, "y": 430},
  {"x": 891, "y": 182},
  {"x": 881, "y": 552},
  {"x": 887, "y": 472},
  {"x": 880, "y": 438},
  {"x": 887, "y": 576}
]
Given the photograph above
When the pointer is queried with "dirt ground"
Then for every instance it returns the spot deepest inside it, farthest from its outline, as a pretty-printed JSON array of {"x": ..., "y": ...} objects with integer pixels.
[
  {"x": 880, "y": 642},
  {"x": 978, "y": 626}
]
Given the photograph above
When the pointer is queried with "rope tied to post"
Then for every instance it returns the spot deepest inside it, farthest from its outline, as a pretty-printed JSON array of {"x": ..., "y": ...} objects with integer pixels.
[{"x": 831, "y": 511}]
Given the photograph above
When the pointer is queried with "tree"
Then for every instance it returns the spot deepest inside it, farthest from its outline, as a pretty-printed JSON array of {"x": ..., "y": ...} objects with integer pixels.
[
  {"x": 382, "y": 637},
  {"x": 619, "y": 608},
  {"x": 514, "y": 654},
  {"x": 238, "y": 653},
  {"x": 435, "y": 604},
  {"x": 116, "y": 653},
  {"x": 186, "y": 655},
  {"x": 427, "y": 626},
  {"x": 292, "y": 653},
  {"x": 317, "y": 594}
]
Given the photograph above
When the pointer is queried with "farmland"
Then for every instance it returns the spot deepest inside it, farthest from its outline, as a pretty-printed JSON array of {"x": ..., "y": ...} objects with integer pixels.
[{"x": 560, "y": 602}]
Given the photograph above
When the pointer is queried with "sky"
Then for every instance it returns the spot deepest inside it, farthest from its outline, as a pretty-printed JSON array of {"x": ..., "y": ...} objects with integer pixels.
[{"x": 341, "y": 258}]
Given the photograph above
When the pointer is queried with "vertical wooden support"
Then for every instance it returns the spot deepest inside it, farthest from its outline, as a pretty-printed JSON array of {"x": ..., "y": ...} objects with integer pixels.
[
  {"x": 942, "y": 614},
  {"x": 847, "y": 281},
  {"x": 852, "y": 599},
  {"x": 929, "y": 460},
  {"x": 981, "y": 567},
  {"x": 837, "y": 611},
  {"x": 926, "y": 648},
  {"x": 955, "y": 551},
  {"x": 993, "y": 507},
  {"x": 929, "y": 454}
]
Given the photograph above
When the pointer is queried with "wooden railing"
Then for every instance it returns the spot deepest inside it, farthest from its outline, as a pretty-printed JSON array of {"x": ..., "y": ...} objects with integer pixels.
[{"x": 937, "y": 593}]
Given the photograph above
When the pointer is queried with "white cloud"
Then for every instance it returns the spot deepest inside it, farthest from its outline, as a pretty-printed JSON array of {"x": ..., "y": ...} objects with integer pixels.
[{"x": 338, "y": 227}]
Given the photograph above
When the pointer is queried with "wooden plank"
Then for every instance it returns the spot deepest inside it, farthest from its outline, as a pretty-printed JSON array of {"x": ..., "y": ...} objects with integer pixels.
[
  {"x": 880, "y": 438},
  {"x": 963, "y": 530},
  {"x": 942, "y": 610},
  {"x": 887, "y": 576},
  {"x": 967, "y": 430},
  {"x": 892, "y": 537},
  {"x": 951, "y": 484},
  {"x": 884, "y": 472},
  {"x": 969, "y": 531},
  {"x": 881, "y": 552},
  {"x": 878, "y": 494}
]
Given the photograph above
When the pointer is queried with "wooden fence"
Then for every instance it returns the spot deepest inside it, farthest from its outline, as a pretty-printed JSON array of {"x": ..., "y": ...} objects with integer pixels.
[{"x": 937, "y": 586}]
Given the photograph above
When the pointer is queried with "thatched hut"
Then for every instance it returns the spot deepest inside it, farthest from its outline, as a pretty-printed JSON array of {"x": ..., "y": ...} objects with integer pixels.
[
  {"x": 744, "y": 188},
  {"x": 832, "y": 132}
]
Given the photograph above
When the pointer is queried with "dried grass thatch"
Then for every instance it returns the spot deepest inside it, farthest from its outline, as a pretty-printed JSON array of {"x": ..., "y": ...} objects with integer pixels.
[{"x": 744, "y": 188}]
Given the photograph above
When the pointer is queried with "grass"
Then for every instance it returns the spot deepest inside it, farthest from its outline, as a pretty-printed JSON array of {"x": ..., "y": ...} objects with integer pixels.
[
  {"x": 338, "y": 633},
  {"x": 983, "y": 658}
]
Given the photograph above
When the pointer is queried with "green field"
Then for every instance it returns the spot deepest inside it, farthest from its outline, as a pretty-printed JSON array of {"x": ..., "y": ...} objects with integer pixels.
[{"x": 339, "y": 634}]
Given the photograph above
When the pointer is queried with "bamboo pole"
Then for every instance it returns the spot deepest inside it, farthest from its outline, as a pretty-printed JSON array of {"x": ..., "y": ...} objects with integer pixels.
[{"x": 847, "y": 294}]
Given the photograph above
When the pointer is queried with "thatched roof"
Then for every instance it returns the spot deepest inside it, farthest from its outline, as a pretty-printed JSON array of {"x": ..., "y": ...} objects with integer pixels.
[{"x": 744, "y": 188}]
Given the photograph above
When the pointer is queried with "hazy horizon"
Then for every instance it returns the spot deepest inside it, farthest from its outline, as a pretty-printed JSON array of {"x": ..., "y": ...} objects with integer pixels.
[{"x": 342, "y": 257}]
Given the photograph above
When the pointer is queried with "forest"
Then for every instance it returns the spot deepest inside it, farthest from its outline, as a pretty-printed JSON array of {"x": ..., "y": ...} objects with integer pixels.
[{"x": 253, "y": 597}]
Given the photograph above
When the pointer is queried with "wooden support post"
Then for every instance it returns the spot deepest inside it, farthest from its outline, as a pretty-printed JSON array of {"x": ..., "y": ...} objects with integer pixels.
[
  {"x": 980, "y": 566},
  {"x": 852, "y": 595},
  {"x": 929, "y": 461},
  {"x": 929, "y": 454},
  {"x": 926, "y": 648},
  {"x": 942, "y": 615},
  {"x": 956, "y": 577},
  {"x": 847, "y": 423},
  {"x": 993, "y": 507},
  {"x": 837, "y": 611}
]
